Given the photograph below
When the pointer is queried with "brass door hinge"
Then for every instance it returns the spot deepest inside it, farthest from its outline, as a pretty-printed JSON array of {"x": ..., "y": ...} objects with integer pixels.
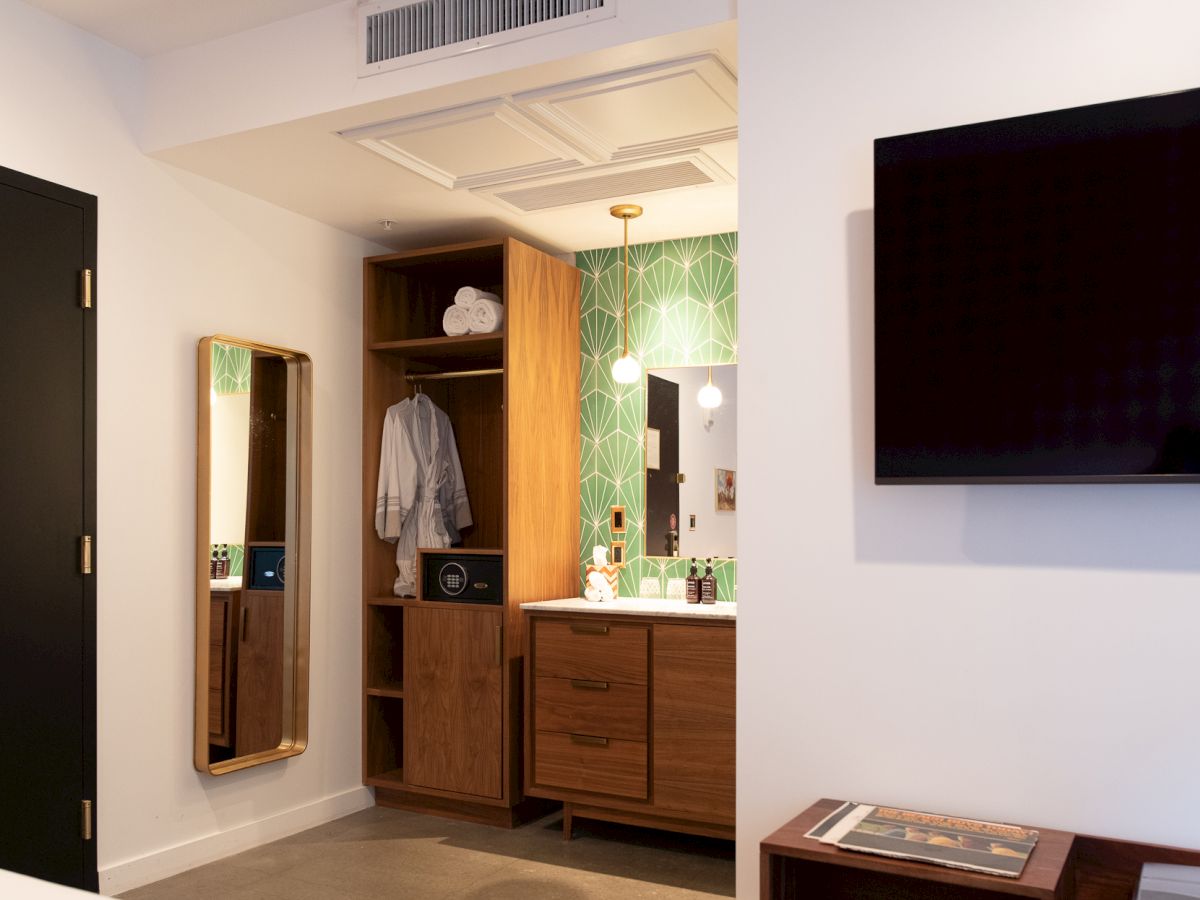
[
  {"x": 85, "y": 555},
  {"x": 85, "y": 821},
  {"x": 85, "y": 289}
]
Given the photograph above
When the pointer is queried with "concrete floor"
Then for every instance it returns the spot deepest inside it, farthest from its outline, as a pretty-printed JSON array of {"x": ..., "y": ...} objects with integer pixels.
[{"x": 385, "y": 853}]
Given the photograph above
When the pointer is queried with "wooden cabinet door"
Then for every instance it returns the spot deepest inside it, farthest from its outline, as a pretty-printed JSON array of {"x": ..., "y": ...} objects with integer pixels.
[
  {"x": 258, "y": 712},
  {"x": 695, "y": 717},
  {"x": 453, "y": 734}
]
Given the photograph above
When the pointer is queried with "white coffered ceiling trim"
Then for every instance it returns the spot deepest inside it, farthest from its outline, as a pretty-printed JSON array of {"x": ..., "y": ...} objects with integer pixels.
[
  {"x": 686, "y": 103},
  {"x": 469, "y": 146},
  {"x": 591, "y": 129}
]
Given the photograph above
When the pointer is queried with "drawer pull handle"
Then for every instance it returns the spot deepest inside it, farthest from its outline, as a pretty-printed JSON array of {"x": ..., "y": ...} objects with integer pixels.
[
  {"x": 589, "y": 685},
  {"x": 590, "y": 740},
  {"x": 579, "y": 628}
]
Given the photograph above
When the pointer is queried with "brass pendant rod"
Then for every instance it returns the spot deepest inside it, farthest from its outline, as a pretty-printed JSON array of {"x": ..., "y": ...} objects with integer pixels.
[{"x": 626, "y": 352}]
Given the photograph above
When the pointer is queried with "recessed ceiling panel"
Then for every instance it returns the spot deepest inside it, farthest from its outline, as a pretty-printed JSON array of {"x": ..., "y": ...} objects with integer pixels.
[
  {"x": 466, "y": 147},
  {"x": 671, "y": 106}
]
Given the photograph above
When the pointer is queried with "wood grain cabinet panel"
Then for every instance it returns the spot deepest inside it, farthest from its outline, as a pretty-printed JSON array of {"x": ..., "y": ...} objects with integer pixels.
[
  {"x": 453, "y": 716},
  {"x": 591, "y": 764},
  {"x": 695, "y": 718},
  {"x": 259, "y": 708},
  {"x": 592, "y": 707},
  {"x": 592, "y": 650}
]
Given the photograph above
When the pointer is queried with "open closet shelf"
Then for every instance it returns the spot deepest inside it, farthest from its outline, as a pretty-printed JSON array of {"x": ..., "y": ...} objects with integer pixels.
[
  {"x": 434, "y": 350},
  {"x": 392, "y": 779},
  {"x": 395, "y": 693}
]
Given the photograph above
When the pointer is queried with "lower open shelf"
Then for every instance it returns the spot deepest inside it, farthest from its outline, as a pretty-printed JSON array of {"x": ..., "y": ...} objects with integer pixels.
[{"x": 393, "y": 778}]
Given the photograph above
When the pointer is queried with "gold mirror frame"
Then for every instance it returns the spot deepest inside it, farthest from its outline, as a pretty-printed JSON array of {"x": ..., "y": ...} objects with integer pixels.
[
  {"x": 646, "y": 373},
  {"x": 295, "y": 726}
]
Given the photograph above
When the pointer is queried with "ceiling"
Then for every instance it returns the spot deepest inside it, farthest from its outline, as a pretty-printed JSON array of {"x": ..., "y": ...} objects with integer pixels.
[
  {"x": 539, "y": 153},
  {"x": 150, "y": 27}
]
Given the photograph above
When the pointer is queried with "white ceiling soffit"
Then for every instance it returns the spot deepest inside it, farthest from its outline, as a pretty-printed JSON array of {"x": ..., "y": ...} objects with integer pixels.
[{"x": 505, "y": 148}]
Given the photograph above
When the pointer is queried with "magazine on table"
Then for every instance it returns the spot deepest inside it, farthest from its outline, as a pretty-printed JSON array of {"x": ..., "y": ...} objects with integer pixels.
[{"x": 988, "y": 847}]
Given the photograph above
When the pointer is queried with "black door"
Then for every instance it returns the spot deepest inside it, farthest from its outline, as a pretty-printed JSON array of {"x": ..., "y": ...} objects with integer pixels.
[
  {"x": 47, "y": 494},
  {"x": 662, "y": 483}
]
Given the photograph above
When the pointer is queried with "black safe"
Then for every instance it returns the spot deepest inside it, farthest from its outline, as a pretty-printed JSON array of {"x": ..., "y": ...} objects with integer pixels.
[{"x": 463, "y": 577}]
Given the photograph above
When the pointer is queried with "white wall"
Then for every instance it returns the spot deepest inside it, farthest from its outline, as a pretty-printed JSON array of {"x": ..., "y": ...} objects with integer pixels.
[
  {"x": 1017, "y": 653},
  {"x": 180, "y": 258}
]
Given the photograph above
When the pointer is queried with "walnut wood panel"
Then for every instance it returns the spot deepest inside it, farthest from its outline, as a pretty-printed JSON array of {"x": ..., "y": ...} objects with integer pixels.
[
  {"x": 475, "y": 407},
  {"x": 578, "y": 648},
  {"x": 591, "y": 707},
  {"x": 453, "y": 729},
  {"x": 385, "y": 731},
  {"x": 222, "y": 611},
  {"x": 408, "y": 292},
  {"x": 385, "y": 648},
  {"x": 695, "y": 719},
  {"x": 613, "y": 767},
  {"x": 259, "y": 710},
  {"x": 797, "y": 867},
  {"x": 541, "y": 543},
  {"x": 266, "y": 484},
  {"x": 1109, "y": 869}
]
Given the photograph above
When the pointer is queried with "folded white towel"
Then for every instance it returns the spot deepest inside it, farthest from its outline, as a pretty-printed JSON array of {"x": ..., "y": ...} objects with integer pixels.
[
  {"x": 455, "y": 321},
  {"x": 486, "y": 316},
  {"x": 467, "y": 296}
]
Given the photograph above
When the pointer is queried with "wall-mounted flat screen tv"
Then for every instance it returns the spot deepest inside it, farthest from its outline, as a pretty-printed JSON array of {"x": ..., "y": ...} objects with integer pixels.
[{"x": 1037, "y": 297}]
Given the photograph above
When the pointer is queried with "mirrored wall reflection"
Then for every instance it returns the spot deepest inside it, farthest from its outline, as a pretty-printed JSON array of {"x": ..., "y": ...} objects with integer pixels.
[
  {"x": 691, "y": 462},
  {"x": 253, "y": 488}
]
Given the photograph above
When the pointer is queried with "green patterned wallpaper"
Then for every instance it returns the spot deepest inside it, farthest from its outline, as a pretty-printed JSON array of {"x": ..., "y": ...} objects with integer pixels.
[
  {"x": 231, "y": 375},
  {"x": 230, "y": 369},
  {"x": 682, "y": 311}
]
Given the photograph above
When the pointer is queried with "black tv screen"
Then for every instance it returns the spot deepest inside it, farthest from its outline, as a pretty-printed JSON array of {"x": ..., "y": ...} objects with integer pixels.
[{"x": 1037, "y": 297}]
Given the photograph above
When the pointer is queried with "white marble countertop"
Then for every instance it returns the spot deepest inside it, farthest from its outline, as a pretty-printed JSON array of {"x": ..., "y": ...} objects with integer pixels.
[
  {"x": 232, "y": 583},
  {"x": 643, "y": 606}
]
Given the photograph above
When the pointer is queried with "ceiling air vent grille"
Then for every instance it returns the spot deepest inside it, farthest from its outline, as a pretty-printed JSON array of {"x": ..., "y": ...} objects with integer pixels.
[{"x": 394, "y": 35}]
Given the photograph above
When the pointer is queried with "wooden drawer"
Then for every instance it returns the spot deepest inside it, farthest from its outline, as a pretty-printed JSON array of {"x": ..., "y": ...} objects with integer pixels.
[
  {"x": 591, "y": 650},
  {"x": 603, "y": 708},
  {"x": 593, "y": 764}
]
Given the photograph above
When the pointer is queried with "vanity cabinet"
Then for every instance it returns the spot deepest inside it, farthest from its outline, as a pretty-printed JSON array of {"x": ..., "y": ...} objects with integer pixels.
[
  {"x": 632, "y": 714},
  {"x": 442, "y": 698}
]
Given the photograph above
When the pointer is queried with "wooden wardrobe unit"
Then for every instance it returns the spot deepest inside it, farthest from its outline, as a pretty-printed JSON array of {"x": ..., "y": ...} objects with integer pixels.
[{"x": 446, "y": 739}]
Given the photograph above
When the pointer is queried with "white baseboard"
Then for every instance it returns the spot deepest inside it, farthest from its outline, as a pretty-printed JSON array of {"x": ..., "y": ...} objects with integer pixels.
[{"x": 132, "y": 873}]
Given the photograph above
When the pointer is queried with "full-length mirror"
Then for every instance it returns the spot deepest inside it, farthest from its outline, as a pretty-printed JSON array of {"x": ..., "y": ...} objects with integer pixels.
[
  {"x": 253, "y": 490},
  {"x": 691, "y": 461}
]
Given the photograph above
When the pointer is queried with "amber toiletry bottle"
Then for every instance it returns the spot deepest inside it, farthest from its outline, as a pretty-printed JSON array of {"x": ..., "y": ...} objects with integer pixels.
[
  {"x": 224, "y": 563},
  {"x": 693, "y": 585},
  {"x": 708, "y": 584},
  {"x": 212, "y": 563}
]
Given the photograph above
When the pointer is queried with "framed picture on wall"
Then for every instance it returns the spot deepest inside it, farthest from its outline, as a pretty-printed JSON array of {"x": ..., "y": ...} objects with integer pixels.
[{"x": 726, "y": 485}]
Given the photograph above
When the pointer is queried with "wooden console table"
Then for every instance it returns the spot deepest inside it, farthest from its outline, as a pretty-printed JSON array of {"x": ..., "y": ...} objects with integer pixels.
[{"x": 794, "y": 867}]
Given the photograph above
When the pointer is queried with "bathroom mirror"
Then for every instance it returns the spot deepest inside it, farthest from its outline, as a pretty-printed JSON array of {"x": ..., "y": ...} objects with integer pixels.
[
  {"x": 691, "y": 462},
  {"x": 253, "y": 536}
]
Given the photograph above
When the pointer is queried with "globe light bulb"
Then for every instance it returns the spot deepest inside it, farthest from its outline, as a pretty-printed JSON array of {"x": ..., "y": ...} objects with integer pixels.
[
  {"x": 709, "y": 396},
  {"x": 626, "y": 370}
]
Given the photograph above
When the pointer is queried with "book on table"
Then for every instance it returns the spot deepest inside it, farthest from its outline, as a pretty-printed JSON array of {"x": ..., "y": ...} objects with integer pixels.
[{"x": 989, "y": 847}]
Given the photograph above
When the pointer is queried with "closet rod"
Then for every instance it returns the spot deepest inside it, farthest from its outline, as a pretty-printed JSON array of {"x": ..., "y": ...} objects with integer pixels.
[{"x": 442, "y": 376}]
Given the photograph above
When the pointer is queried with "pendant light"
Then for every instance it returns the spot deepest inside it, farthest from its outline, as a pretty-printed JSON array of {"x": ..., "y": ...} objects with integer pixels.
[
  {"x": 626, "y": 370},
  {"x": 709, "y": 396}
]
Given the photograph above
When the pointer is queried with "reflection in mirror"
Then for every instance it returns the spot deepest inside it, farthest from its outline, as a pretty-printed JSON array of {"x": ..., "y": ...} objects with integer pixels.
[
  {"x": 691, "y": 463},
  {"x": 253, "y": 485}
]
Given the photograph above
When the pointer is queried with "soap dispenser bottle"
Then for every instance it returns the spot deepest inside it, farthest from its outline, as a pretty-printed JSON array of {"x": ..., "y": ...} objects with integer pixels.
[
  {"x": 708, "y": 584},
  {"x": 693, "y": 585},
  {"x": 212, "y": 563}
]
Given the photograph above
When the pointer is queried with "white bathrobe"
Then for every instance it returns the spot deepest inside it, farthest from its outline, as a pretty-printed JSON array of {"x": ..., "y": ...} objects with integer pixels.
[{"x": 421, "y": 500}]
